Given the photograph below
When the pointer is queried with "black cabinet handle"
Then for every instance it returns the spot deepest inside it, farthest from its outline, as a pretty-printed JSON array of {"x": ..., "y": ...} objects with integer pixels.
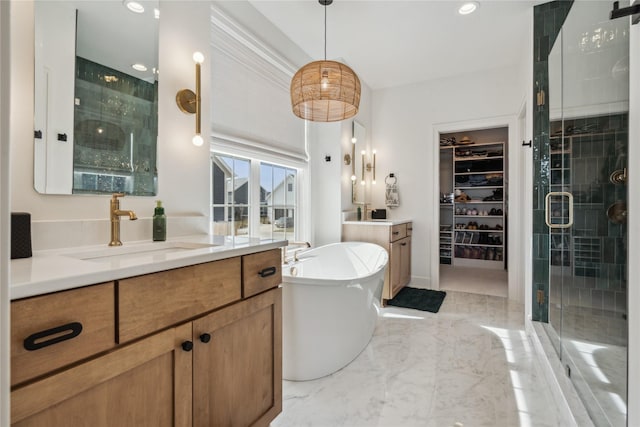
[
  {"x": 72, "y": 330},
  {"x": 62, "y": 137},
  {"x": 403, "y": 244},
  {"x": 187, "y": 346},
  {"x": 37, "y": 134},
  {"x": 266, "y": 272},
  {"x": 395, "y": 233},
  {"x": 205, "y": 338}
]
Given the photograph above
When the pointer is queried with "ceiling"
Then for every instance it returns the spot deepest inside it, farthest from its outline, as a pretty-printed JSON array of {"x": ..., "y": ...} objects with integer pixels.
[{"x": 394, "y": 42}]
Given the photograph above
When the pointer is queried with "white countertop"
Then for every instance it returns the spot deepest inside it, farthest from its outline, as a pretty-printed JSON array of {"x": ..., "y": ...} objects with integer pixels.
[
  {"x": 386, "y": 222},
  {"x": 57, "y": 270}
]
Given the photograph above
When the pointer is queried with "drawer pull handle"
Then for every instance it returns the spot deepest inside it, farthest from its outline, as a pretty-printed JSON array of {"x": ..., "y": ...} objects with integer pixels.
[
  {"x": 205, "y": 338},
  {"x": 403, "y": 243},
  {"x": 72, "y": 330},
  {"x": 187, "y": 346},
  {"x": 395, "y": 233},
  {"x": 266, "y": 272}
]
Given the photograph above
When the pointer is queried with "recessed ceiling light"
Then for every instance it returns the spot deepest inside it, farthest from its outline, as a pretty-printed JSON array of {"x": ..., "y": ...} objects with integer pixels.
[
  {"x": 139, "y": 67},
  {"x": 468, "y": 7},
  {"x": 134, "y": 6}
]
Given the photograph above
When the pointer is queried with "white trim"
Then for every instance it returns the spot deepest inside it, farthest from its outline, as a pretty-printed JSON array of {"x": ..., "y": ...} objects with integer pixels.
[
  {"x": 246, "y": 147},
  {"x": 514, "y": 184},
  {"x": 234, "y": 41}
]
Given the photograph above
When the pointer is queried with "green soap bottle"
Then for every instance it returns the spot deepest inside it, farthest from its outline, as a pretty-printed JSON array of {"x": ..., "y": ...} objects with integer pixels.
[{"x": 159, "y": 223}]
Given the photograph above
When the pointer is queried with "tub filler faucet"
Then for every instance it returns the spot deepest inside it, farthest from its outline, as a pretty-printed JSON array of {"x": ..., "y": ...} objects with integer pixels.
[
  {"x": 114, "y": 214},
  {"x": 284, "y": 249}
]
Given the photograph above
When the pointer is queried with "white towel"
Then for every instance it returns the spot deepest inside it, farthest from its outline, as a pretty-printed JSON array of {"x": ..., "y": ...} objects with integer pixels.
[{"x": 391, "y": 195}]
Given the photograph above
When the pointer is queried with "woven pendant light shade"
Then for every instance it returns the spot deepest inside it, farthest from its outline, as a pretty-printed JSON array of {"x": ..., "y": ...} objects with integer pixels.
[{"x": 325, "y": 91}]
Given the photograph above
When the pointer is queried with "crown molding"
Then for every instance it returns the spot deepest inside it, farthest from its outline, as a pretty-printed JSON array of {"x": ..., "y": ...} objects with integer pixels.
[{"x": 237, "y": 43}]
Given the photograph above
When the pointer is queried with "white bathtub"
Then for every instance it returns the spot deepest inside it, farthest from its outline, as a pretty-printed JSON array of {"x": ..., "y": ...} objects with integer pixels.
[{"x": 329, "y": 311}]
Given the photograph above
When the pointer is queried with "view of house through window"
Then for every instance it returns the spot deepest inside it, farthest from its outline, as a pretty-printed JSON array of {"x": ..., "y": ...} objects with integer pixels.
[
  {"x": 232, "y": 187},
  {"x": 231, "y": 184},
  {"x": 277, "y": 201}
]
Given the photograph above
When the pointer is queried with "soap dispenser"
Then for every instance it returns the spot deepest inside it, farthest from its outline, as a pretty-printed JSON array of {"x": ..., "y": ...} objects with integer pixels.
[{"x": 159, "y": 223}]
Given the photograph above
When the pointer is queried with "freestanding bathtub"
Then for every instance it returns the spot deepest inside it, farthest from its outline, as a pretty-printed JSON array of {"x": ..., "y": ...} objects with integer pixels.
[{"x": 330, "y": 303}]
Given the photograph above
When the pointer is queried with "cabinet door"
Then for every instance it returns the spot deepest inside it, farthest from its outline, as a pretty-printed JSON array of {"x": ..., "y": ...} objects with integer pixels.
[
  {"x": 399, "y": 265},
  {"x": 147, "y": 383},
  {"x": 395, "y": 268},
  {"x": 405, "y": 261},
  {"x": 237, "y": 365}
]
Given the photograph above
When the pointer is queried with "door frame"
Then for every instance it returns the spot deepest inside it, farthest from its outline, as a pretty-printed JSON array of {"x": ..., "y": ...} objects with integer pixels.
[{"x": 514, "y": 220}]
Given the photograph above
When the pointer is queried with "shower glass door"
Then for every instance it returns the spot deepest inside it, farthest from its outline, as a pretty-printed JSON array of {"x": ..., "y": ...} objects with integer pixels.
[{"x": 586, "y": 205}]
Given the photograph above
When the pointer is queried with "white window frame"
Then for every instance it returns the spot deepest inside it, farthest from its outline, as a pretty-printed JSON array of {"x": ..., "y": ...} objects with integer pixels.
[{"x": 256, "y": 154}]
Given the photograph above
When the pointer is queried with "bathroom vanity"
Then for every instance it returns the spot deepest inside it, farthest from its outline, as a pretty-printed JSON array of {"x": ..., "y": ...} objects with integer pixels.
[
  {"x": 395, "y": 237},
  {"x": 169, "y": 337}
]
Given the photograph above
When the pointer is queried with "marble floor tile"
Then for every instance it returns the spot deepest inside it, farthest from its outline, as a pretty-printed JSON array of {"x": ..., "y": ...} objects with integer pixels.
[{"x": 471, "y": 364}]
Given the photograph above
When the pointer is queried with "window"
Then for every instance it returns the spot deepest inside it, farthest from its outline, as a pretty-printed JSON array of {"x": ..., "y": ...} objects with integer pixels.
[
  {"x": 231, "y": 192},
  {"x": 253, "y": 198},
  {"x": 277, "y": 201}
]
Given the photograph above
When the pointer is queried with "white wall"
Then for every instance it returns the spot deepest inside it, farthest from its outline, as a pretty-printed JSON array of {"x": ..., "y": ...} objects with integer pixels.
[
  {"x": 325, "y": 140},
  {"x": 181, "y": 165},
  {"x": 403, "y": 120}
]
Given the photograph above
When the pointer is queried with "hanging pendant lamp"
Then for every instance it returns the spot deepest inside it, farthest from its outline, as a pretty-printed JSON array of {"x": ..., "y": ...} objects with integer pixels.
[{"x": 325, "y": 91}]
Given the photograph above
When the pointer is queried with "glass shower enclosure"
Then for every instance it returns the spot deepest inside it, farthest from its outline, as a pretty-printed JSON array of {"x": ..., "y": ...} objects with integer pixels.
[{"x": 585, "y": 206}]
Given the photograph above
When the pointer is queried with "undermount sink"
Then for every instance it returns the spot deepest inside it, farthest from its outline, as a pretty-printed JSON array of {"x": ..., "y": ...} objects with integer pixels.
[{"x": 112, "y": 253}]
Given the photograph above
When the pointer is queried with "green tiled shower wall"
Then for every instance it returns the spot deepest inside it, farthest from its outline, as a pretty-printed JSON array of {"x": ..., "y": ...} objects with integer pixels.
[
  {"x": 598, "y": 282},
  {"x": 547, "y": 21}
]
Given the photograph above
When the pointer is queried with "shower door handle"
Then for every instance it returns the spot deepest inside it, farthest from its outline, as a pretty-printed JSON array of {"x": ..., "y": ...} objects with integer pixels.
[{"x": 547, "y": 209}]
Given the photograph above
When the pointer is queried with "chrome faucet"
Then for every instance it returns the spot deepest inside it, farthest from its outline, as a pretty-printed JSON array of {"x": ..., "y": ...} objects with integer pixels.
[{"x": 115, "y": 213}]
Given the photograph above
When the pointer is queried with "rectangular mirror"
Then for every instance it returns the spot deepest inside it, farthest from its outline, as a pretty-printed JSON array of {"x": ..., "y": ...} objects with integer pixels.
[{"x": 96, "y": 97}]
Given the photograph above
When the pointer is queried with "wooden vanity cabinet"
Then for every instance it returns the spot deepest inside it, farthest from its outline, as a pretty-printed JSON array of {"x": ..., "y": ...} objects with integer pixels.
[
  {"x": 237, "y": 363},
  {"x": 54, "y": 330},
  {"x": 146, "y": 383},
  {"x": 396, "y": 239},
  {"x": 205, "y": 362}
]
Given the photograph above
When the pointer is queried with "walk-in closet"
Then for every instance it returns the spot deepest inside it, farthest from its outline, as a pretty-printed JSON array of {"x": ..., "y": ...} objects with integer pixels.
[{"x": 474, "y": 211}]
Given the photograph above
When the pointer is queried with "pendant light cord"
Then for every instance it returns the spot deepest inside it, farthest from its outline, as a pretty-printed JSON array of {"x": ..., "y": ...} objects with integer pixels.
[{"x": 325, "y": 32}]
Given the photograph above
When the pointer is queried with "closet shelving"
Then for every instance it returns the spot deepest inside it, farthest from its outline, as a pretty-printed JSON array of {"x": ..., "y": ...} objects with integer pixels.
[{"x": 478, "y": 210}]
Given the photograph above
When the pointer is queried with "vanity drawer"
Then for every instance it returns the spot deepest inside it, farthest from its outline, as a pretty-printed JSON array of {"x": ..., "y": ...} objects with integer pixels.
[
  {"x": 409, "y": 229},
  {"x": 54, "y": 330},
  {"x": 260, "y": 272},
  {"x": 397, "y": 232},
  {"x": 155, "y": 301}
]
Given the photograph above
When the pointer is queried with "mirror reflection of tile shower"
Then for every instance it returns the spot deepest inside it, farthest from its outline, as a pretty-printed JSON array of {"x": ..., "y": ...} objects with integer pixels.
[{"x": 115, "y": 129}]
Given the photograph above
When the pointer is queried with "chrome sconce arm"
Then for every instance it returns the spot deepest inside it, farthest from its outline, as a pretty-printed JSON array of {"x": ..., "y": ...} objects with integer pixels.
[{"x": 190, "y": 102}]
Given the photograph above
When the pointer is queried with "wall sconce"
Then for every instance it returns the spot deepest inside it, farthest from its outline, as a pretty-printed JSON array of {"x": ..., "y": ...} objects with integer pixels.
[
  {"x": 189, "y": 102},
  {"x": 368, "y": 167}
]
